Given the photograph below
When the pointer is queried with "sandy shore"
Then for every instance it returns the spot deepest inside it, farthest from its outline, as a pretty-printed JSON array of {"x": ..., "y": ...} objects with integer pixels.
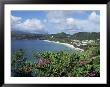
[{"x": 66, "y": 44}]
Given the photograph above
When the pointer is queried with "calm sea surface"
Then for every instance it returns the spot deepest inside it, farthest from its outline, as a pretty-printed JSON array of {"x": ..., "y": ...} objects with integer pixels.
[{"x": 31, "y": 46}]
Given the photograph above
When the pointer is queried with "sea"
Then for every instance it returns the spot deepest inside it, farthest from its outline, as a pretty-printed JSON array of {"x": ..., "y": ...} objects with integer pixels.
[{"x": 32, "y": 46}]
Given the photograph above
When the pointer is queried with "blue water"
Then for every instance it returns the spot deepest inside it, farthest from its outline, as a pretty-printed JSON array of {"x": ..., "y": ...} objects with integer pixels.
[{"x": 31, "y": 46}]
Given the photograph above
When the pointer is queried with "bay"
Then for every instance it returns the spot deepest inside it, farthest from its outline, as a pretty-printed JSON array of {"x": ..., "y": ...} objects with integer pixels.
[{"x": 31, "y": 46}]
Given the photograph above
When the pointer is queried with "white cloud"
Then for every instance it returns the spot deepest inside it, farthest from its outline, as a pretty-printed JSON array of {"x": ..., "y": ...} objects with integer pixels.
[
  {"x": 33, "y": 24},
  {"x": 55, "y": 16},
  {"x": 94, "y": 17},
  {"x": 87, "y": 26},
  {"x": 28, "y": 25},
  {"x": 15, "y": 19},
  {"x": 62, "y": 21},
  {"x": 70, "y": 21}
]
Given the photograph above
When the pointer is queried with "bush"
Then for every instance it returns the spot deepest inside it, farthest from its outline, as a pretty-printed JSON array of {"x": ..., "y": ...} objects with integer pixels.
[{"x": 58, "y": 64}]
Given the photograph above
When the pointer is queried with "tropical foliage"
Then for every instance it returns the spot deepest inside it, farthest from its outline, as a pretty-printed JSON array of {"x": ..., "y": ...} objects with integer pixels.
[{"x": 57, "y": 64}]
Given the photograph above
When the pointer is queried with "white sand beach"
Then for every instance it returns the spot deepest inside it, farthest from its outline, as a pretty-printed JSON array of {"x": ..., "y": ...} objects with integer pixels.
[{"x": 66, "y": 44}]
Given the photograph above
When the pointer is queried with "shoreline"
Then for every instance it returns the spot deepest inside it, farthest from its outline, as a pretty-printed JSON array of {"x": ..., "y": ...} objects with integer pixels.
[{"x": 66, "y": 44}]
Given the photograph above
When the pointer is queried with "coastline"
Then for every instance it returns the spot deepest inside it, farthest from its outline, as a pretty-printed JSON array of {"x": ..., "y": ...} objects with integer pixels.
[{"x": 66, "y": 44}]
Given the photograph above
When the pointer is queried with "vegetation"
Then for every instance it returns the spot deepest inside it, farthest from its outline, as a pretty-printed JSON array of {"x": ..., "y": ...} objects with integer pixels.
[
  {"x": 58, "y": 64},
  {"x": 58, "y": 36},
  {"x": 86, "y": 36}
]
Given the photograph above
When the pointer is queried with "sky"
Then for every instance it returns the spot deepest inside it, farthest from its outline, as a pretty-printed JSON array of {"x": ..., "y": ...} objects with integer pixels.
[{"x": 55, "y": 21}]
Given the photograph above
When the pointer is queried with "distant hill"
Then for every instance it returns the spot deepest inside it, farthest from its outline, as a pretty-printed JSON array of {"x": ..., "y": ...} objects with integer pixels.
[
  {"x": 62, "y": 35},
  {"x": 79, "y": 35},
  {"x": 86, "y": 35}
]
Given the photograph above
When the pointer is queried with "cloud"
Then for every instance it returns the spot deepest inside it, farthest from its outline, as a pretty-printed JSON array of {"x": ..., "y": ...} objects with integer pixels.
[
  {"x": 59, "y": 21},
  {"x": 15, "y": 21},
  {"x": 94, "y": 17},
  {"x": 55, "y": 16},
  {"x": 70, "y": 21},
  {"x": 28, "y": 25},
  {"x": 33, "y": 24},
  {"x": 64, "y": 21}
]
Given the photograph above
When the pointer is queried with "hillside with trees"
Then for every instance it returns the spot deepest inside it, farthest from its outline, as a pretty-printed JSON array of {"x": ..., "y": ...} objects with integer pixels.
[
  {"x": 59, "y": 64},
  {"x": 62, "y": 35}
]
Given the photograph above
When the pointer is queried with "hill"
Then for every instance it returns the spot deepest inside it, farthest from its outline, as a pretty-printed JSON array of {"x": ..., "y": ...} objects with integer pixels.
[
  {"x": 62, "y": 35},
  {"x": 86, "y": 35}
]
